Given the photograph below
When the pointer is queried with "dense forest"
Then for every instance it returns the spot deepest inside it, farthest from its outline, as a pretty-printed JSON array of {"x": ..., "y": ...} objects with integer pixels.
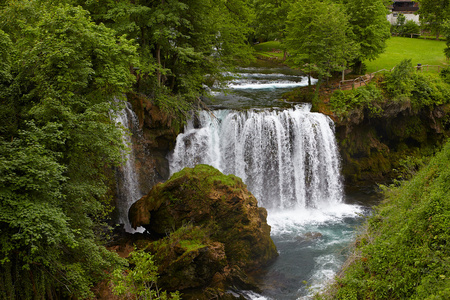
[{"x": 65, "y": 70}]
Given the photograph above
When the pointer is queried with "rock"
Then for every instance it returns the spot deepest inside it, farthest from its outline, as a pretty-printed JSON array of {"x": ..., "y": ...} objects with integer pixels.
[
  {"x": 372, "y": 146},
  {"x": 211, "y": 228},
  {"x": 309, "y": 237}
]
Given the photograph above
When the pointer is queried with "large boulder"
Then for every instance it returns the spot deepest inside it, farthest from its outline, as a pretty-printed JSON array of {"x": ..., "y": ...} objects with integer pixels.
[{"x": 210, "y": 229}]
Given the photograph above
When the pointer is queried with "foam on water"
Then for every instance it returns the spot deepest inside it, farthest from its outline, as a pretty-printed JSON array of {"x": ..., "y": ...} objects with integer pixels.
[{"x": 294, "y": 221}]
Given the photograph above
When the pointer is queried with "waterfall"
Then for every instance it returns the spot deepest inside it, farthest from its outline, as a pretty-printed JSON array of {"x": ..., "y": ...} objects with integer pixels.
[
  {"x": 288, "y": 158},
  {"x": 128, "y": 189}
]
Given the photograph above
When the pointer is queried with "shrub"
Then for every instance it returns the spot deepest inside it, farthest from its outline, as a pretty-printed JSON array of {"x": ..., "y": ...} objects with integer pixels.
[{"x": 366, "y": 97}]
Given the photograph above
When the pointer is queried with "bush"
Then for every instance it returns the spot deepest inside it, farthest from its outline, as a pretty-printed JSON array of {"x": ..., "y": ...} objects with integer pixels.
[
  {"x": 366, "y": 97},
  {"x": 410, "y": 27}
]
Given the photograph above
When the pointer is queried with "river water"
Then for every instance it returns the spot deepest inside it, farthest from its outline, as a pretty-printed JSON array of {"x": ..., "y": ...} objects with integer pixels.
[{"x": 288, "y": 158}]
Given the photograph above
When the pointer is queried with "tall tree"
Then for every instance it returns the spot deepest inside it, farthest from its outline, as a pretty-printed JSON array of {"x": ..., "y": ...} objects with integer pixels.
[
  {"x": 319, "y": 38},
  {"x": 433, "y": 14},
  {"x": 370, "y": 27},
  {"x": 270, "y": 18},
  {"x": 57, "y": 143},
  {"x": 181, "y": 42}
]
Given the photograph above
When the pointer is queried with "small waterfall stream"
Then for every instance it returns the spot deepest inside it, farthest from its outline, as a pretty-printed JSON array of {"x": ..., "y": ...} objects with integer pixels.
[{"x": 128, "y": 189}]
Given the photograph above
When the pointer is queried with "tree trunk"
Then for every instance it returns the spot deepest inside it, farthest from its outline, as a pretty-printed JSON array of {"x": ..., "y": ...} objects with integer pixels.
[{"x": 158, "y": 60}]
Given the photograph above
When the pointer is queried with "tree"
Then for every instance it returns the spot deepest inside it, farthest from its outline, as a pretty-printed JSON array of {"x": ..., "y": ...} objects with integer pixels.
[
  {"x": 57, "y": 145},
  {"x": 270, "y": 19},
  {"x": 433, "y": 14},
  {"x": 319, "y": 38},
  {"x": 182, "y": 43},
  {"x": 370, "y": 26}
]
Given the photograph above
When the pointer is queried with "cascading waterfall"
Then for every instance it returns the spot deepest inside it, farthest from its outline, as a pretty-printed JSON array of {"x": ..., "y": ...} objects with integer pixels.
[
  {"x": 288, "y": 158},
  {"x": 128, "y": 189}
]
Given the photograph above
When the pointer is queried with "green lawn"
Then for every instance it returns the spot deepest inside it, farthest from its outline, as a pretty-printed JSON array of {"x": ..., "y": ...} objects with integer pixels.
[
  {"x": 425, "y": 52},
  {"x": 269, "y": 49}
]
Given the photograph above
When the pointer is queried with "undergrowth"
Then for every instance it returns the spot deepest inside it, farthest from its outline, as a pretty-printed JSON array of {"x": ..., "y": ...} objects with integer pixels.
[
  {"x": 402, "y": 85},
  {"x": 404, "y": 251}
]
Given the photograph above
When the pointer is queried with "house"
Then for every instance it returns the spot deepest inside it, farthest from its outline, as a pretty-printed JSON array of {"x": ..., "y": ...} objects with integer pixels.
[{"x": 406, "y": 7}]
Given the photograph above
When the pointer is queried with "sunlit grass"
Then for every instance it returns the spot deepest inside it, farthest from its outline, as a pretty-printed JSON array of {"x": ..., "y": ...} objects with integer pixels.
[{"x": 425, "y": 52}]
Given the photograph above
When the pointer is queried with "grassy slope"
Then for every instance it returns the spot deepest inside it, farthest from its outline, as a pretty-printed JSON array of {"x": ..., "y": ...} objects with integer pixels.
[
  {"x": 405, "y": 252},
  {"x": 271, "y": 49},
  {"x": 421, "y": 51}
]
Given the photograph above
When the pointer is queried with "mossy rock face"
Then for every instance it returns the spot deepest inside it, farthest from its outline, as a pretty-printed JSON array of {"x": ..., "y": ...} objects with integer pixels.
[
  {"x": 188, "y": 258},
  {"x": 372, "y": 147},
  {"x": 223, "y": 216}
]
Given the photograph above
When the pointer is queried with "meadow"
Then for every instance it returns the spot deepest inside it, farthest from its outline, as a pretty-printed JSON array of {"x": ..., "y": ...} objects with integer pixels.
[{"x": 420, "y": 51}]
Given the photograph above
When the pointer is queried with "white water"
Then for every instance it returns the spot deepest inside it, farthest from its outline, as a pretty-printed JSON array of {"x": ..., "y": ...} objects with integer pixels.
[
  {"x": 128, "y": 189},
  {"x": 288, "y": 159}
]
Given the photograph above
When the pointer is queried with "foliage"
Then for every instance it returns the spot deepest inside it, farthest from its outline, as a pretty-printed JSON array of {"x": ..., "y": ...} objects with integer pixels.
[
  {"x": 180, "y": 42},
  {"x": 366, "y": 97},
  {"x": 445, "y": 75},
  {"x": 402, "y": 85},
  {"x": 370, "y": 28},
  {"x": 398, "y": 83},
  {"x": 57, "y": 144},
  {"x": 446, "y": 31},
  {"x": 405, "y": 252},
  {"x": 141, "y": 280},
  {"x": 405, "y": 28},
  {"x": 270, "y": 19},
  {"x": 433, "y": 14},
  {"x": 319, "y": 37}
]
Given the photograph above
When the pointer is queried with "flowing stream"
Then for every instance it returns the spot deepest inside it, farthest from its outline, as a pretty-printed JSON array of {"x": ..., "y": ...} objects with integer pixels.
[{"x": 288, "y": 158}]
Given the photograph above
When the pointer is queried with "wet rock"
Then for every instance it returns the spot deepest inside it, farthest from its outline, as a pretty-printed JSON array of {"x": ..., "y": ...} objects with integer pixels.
[{"x": 309, "y": 236}]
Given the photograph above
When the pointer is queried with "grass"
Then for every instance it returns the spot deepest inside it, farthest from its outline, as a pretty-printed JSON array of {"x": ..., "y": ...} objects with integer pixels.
[
  {"x": 272, "y": 49},
  {"x": 425, "y": 52}
]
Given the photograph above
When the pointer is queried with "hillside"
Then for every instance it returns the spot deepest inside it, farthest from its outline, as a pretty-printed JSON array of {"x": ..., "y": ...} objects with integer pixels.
[{"x": 404, "y": 251}]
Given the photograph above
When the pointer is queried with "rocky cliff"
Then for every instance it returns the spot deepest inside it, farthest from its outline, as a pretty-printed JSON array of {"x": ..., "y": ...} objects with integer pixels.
[
  {"x": 379, "y": 148},
  {"x": 159, "y": 132}
]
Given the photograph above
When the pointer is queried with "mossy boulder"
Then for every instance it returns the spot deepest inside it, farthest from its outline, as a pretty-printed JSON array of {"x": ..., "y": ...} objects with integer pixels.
[{"x": 210, "y": 229}]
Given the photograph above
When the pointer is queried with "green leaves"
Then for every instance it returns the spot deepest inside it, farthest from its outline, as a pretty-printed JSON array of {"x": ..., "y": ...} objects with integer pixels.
[
  {"x": 57, "y": 147},
  {"x": 369, "y": 25},
  {"x": 141, "y": 280},
  {"x": 319, "y": 36}
]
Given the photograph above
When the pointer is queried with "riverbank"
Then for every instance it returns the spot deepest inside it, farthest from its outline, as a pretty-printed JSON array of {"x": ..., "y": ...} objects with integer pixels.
[{"x": 403, "y": 251}]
